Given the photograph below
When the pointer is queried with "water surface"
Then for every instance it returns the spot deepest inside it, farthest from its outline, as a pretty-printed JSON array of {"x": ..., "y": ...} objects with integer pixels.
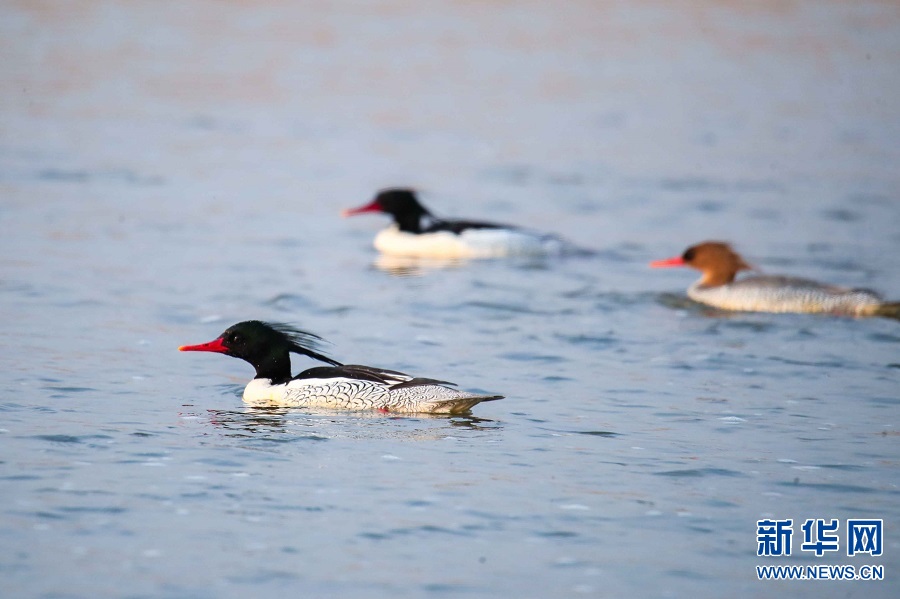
[{"x": 167, "y": 171}]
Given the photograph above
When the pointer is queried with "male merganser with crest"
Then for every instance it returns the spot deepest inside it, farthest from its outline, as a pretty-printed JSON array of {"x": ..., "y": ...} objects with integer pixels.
[
  {"x": 766, "y": 293},
  {"x": 416, "y": 232},
  {"x": 267, "y": 347}
]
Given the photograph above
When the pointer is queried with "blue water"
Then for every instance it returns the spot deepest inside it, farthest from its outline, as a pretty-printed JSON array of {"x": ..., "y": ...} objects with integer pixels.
[{"x": 168, "y": 171}]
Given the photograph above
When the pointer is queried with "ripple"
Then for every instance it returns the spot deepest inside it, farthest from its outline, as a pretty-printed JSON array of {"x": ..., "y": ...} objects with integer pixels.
[
  {"x": 884, "y": 338},
  {"x": 82, "y": 509},
  {"x": 511, "y": 308},
  {"x": 236, "y": 390},
  {"x": 691, "y": 184},
  {"x": 819, "y": 364},
  {"x": 429, "y": 529},
  {"x": 292, "y": 302},
  {"x": 688, "y": 574},
  {"x": 275, "y": 441},
  {"x": 532, "y": 357},
  {"x": 53, "y": 174},
  {"x": 448, "y": 588},
  {"x": 605, "y": 434},
  {"x": 68, "y": 438},
  {"x": 843, "y": 215},
  {"x": 49, "y": 515},
  {"x": 557, "y": 534},
  {"x": 58, "y": 438},
  {"x": 69, "y": 389},
  {"x": 220, "y": 462},
  {"x": 844, "y": 467},
  {"x": 58, "y": 175},
  {"x": 757, "y": 326},
  {"x": 888, "y": 401},
  {"x": 835, "y": 487},
  {"x": 592, "y": 341},
  {"x": 678, "y": 301},
  {"x": 264, "y": 576},
  {"x": 700, "y": 472}
]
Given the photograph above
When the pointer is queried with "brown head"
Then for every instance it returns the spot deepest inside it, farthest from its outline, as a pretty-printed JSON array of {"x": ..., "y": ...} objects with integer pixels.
[{"x": 715, "y": 259}]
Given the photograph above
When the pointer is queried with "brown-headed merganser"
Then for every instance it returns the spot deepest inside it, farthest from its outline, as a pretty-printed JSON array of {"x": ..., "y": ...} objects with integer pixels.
[
  {"x": 267, "y": 347},
  {"x": 416, "y": 232},
  {"x": 766, "y": 293}
]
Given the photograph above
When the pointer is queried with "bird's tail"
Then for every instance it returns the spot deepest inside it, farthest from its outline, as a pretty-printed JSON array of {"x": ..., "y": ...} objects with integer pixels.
[
  {"x": 888, "y": 310},
  {"x": 460, "y": 405}
]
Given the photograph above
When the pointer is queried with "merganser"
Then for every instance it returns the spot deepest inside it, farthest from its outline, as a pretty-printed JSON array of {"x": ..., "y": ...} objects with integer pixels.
[
  {"x": 267, "y": 347},
  {"x": 765, "y": 293},
  {"x": 416, "y": 232}
]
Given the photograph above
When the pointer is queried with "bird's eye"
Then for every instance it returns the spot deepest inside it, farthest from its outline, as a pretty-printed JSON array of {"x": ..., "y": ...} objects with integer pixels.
[
  {"x": 688, "y": 255},
  {"x": 235, "y": 338}
]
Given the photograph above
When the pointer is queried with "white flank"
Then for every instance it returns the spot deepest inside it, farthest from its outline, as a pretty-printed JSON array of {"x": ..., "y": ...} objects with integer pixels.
[
  {"x": 472, "y": 243},
  {"x": 785, "y": 294},
  {"x": 354, "y": 394}
]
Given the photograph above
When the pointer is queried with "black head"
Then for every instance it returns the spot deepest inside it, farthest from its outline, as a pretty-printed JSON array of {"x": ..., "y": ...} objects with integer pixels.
[
  {"x": 399, "y": 202},
  {"x": 267, "y": 346}
]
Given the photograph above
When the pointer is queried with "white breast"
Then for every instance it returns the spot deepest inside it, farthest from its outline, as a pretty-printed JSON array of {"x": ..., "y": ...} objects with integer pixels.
[{"x": 333, "y": 393}]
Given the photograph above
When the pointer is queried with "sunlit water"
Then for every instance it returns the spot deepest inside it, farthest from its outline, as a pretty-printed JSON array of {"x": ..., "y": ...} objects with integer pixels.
[{"x": 165, "y": 172}]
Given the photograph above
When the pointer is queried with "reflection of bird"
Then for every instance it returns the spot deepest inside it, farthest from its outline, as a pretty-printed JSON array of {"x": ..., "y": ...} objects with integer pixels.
[
  {"x": 416, "y": 232},
  {"x": 267, "y": 347},
  {"x": 717, "y": 287}
]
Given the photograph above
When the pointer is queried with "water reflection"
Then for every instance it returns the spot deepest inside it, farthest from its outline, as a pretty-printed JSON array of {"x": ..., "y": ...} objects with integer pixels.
[
  {"x": 264, "y": 422},
  {"x": 682, "y": 302},
  {"x": 413, "y": 266}
]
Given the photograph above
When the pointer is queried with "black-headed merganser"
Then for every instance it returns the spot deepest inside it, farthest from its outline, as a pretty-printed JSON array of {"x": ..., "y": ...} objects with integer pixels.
[
  {"x": 416, "y": 232},
  {"x": 267, "y": 347},
  {"x": 717, "y": 287}
]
